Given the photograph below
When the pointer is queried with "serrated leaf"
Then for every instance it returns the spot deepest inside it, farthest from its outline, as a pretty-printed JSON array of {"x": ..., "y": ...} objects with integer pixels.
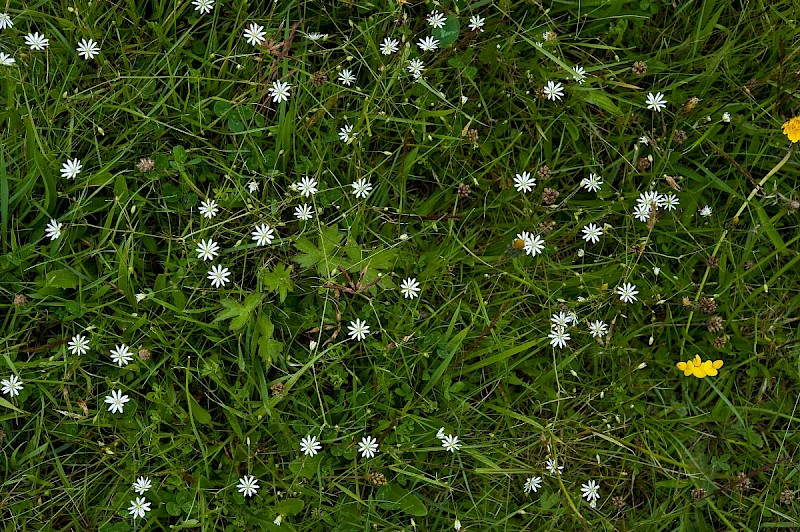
[{"x": 278, "y": 280}]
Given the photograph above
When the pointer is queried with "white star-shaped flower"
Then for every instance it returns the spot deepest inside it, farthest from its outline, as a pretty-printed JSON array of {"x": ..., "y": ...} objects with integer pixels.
[
  {"x": 121, "y": 355},
  {"x": 88, "y": 49},
  {"x": 11, "y": 386},
  {"x": 361, "y": 188},
  {"x": 671, "y": 201},
  {"x": 203, "y": 6},
  {"x": 255, "y": 34},
  {"x": 551, "y": 466},
  {"x": 559, "y": 337},
  {"x": 532, "y": 484},
  {"x": 580, "y": 74},
  {"x": 78, "y": 345},
  {"x": 553, "y": 91},
  {"x": 248, "y": 485},
  {"x": 524, "y": 182},
  {"x": 450, "y": 443},
  {"x": 263, "y": 235},
  {"x": 36, "y": 41},
  {"x": 303, "y": 212},
  {"x": 389, "y": 46},
  {"x": 208, "y": 208},
  {"x": 71, "y": 168},
  {"x": 358, "y": 330},
  {"x": 310, "y": 446},
  {"x": 141, "y": 485},
  {"x": 116, "y": 401},
  {"x": 6, "y": 60},
  {"x": 534, "y": 245},
  {"x": 656, "y": 102},
  {"x": 139, "y": 507},
  {"x": 592, "y": 183},
  {"x": 597, "y": 329},
  {"x": 207, "y": 249},
  {"x": 53, "y": 229},
  {"x": 368, "y": 446},
  {"x": 436, "y": 19},
  {"x": 279, "y": 91},
  {"x": 428, "y": 44},
  {"x": 252, "y": 186},
  {"x": 218, "y": 276},
  {"x": 5, "y": 21},
  {"x": 409, "y": 288},
  {"x": 346, "y": 77},
  {"x": 591, "y": 491},
  {"x": 307, "y": 186},
  {"x": 642, "y": 212},
  {"x": 705, "y": 211},
  {"x": 415, "y": 67},
  {"x": 476, "y": 23},
  {"x": 627, "y": 292},
  {"x": 592, "y": 233},
  {"x": 344, "y": 133}
]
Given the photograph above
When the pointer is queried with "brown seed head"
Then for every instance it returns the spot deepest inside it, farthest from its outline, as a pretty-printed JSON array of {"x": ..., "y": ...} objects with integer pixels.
[
  {"x": 715, "y": 324},
  {"x": 743, "y": 483},
  {"x": 20, "y": 300},
  {"x": 793, "y": 204},
  {"x": 639, "y": 68},
  {"x": 376, "y": 478},
  {"x": 145, "y": 165},
  {"x": 690, "y": 104},
  {"x": 720, "y": 341},
  {"x": 679, "y": 137},
  {"x": 686, "y": 302},
  {"x": 713, "y": 262},
  {"x": 462, "y": 190},
  {"x": 698, "y": 493},
  {"x": 749, "y": 264},
  {"x": 643, "y": 164},
  {"x": 549, "y": 196},
  {"x": 472, "y": 136},
  {"x": 144, "y": 354},
  {"x": 787, "y": 496},
  {"x": 708, "y": 305},
  {"x": 277, "y": 388},
  {"x": 544, "y": 172},
  {"x": 319, "y": 78}
]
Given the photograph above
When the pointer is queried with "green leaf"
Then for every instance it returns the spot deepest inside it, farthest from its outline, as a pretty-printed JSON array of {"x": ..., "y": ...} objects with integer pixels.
[
  {"x": 199, "y": 413},
  {"x": 278, "y": 280},
  {"x": 447, "y": 34},
  {"x": 393, "y": 497},
  {"x": 596, "y": 97},
  {"x": 289, "y": 507},
  {"x": 61, "y": 279},
  {"x": 239, "y": 313}
]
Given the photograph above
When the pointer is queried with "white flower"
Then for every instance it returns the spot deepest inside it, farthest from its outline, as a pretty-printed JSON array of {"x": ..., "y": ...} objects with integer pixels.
[
  {"x": 476, "y": 23},
  {"x": 705, "y": 211},
  {"x": 436, "y": 19},
  {"x": 627, "y": 292},
  {"x": 139, "y": 507},
  {"x": 642, "y": 212},
  {"x": 36, "y": 41},
  {"x": 78, "y": 345},
  {"x": 389, "y": 46},
  {"x": 310, "y": 446},
  {"x": 6, "y": 60},
  {"x": 592, "y": 233},
  {"x": 524, "y": 182},
  {"x": 440, "y": 434},
  {"x": 140, "y": 297},
  {"x": 88, "y": 49},
  {"x": 368, "y": 446},
  {"x": 671, "y": 201},
  {"x": 121, "y": 355},
  {"x": 415, "y": 67},
  {"x": 203, "y": 6},
  {"x": 358, "y": 330},
  {"x": 559, "y": 337},
  {"x": 141, "y": 485},
  {"x": 361, "y": 188},
  {"x": 208, "y": 208},
  {"x": 53, "y": 229},
  {"x": 252, "y": 186},
  {"x": 278, "y": 520},
  {"x": 552, "y": 468},
  {"x": 5, "y": 21},
  {"x": 648, "y": 198},
  {"x": 346, "y": 77},
  {"x": 71, "y": 168},
  {"x": 450, "y": 443},
  {"x": 456, "y": 525},
  {"x": 580, "y": 74},
  {"x": 532, "y": 484},
  {"x": 12, "y": 385},
  {"x": 428, "y": 44},
  {"x": 553, "y": 91},
  {"x": 255, "y": 34},
  {"x": 207, "y": 249},
  {"x": 534, "y": 245},
  {"x": 657, "y": 102},
  {"x": 279, "y": 91},
  {"x": 592, "y": 183},
  {"x": 116, "y": 401},
  {"x": 581, "y": 253},
  {"x": 344, "y": 133},
  {"x": 316, "y": 36},
  {"x": 560, "y": 320},
  {"x": 410, "y": 288},
  {"x": 307, "y": 186},
  {"x": 263, "y": 235},
  {"x": 248, "y": 485},
  {"x": 218, "y": 276},
  {"x": 726, "y": 117},
  {"x": 591, "y": 491},
  {"x": 597, "y": 329},
  {"x": 303, "y": 212},
  {"x": 644, "y": 140}
]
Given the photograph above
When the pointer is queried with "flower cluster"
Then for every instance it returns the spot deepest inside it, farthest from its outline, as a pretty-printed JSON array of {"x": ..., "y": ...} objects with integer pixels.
[{"x": 699, "y": 368}]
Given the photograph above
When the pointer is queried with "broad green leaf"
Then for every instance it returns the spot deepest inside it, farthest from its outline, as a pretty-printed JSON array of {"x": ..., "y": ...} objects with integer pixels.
[
  {"x": 278, "y": 280},
  {"x": 447, "y": 35},
  {"x": 199, "y": 413},
  {"x": 393, "y": 497},
  {"x": 61, "y": 279}
]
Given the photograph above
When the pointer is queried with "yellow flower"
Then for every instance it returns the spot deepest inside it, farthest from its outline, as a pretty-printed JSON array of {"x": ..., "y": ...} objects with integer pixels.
[
  {"x": 792, "y": 129},
  {"x": 698, "y": 368}
]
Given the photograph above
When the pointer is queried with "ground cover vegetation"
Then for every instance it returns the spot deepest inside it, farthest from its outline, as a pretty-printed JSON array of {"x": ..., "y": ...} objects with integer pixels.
[{"x": 397, "y": 265}]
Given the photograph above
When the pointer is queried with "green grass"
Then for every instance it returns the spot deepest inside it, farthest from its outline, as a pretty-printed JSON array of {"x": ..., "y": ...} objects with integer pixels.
[{"x": 471, "y": 354}]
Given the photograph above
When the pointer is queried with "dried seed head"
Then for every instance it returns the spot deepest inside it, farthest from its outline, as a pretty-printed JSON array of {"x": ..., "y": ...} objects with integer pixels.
[
  {"x": 544, "y": 172},
  {"x": 547, "y": 226},
  {"x": 549, "y": 196},
  {"x": 20, "y": 300},
  {"x": 638, "y": 248},
  {"x": 472, "y": 136},
  {"x": 462, "y": 190},
  {"x": 639, "y": 68},
  {"x": 672, "y": 183},
  {"x": 144, "y": 354},
  {"x": 643, "y": 164},
  {"x": 550, "y": 36},
  {"x": 690, "y": 104},
  {"x": 793, "y": 205},
  {"x": 720, "y": 341},
  {"x": 538, "y": 92},
  {"x": 687, "y": 303},
  {"x": 319, "y": 78},
  {"x": 679, "y": 137},
  {"x": 277, "y": 388},
  {"x": 708, "y": 305},
  {"x": 749, "y": 264},
  {"x": 787, "y": 496},
  {"x": 713, "y": 262},
  {"x": 618, "y": 502},
  {"x": 714, "y": 324},
  {"x": 376, "y": 478},
  {"x": 145, "y": 165},
  {"x": 743, "y": 483},
  {"x": 698, "y": 493}
]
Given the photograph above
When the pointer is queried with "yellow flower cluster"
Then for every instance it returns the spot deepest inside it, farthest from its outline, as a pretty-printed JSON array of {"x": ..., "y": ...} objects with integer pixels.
[
  {"x": 792, "y": 129},
  {"x": 698, "y": 368}
]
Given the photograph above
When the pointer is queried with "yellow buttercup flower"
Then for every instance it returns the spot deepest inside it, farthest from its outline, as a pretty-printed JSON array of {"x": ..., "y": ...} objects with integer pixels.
[
  {"x": 699, "y": 368},
  {"x": 792, "y": 129}
]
